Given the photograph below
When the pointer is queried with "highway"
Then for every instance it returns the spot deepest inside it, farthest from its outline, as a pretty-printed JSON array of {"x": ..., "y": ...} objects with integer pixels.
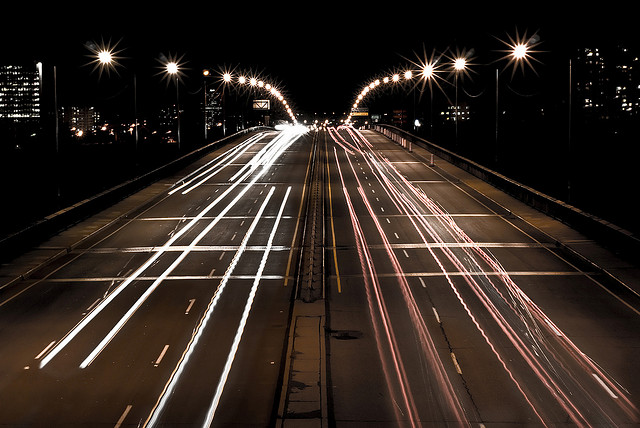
[
  {"x": 440, "y": 306},
  {"x": 176, "y": 316},
  {"x": 447, "y": 310}
]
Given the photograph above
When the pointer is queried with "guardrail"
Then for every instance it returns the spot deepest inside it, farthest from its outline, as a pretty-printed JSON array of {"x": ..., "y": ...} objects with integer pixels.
[
  {"x": 608, "y": 234},
  {"x": 20, "y": 241}
]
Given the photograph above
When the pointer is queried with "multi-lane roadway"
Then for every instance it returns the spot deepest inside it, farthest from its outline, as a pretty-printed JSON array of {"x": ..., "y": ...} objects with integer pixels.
[
  {"x": 448, "y": 310},
  {"x": 175, "y": 316},
  {"x": 441, "y": 307}
]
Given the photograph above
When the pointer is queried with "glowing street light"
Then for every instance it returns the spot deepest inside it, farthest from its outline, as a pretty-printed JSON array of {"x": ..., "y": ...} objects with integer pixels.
[
  {"x": 106, "y": 58},
  {"x": 257, "y": 84},
  {"x": 173, "y": 70},
  {"x": 428, "y": 71},
  {"x": 518, "y": 54},
  {"x": 520, "y": 51},
  {"x": 459, "y": 65}
]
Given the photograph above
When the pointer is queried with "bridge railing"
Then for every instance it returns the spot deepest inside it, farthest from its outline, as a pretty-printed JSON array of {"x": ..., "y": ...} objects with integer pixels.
[
  {"x": 608, "y": 234},
  {"x": 24, "y": 239}
]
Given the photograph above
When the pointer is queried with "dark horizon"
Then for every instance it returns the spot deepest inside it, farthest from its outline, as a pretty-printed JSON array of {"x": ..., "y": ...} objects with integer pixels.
[{"x": 288, "y": 47}]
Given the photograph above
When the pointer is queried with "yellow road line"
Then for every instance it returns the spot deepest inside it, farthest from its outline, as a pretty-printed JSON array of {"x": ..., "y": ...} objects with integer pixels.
[
  {"x": 295, "y": 232},
  {"x": 333, "y": 232}
]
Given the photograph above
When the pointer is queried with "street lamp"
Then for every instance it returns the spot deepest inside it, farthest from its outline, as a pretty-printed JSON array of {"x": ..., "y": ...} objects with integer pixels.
[
  {"x": 106, "y": 59},
  {"x": 518, "y": 54},
  {"x": 172, "y": 68},
  {"x": 428, "y": 74},
  {"x": 459, "y": 65}
]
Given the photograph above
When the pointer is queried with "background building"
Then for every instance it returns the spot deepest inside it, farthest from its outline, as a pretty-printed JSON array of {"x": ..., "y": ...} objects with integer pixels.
[
  {"x": 608, "y": 83},
  {"x": 20, "y": 111}
]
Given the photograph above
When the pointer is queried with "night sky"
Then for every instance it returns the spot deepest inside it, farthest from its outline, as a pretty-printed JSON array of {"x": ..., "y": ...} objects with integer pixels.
[{"x": 319, "y": 53}]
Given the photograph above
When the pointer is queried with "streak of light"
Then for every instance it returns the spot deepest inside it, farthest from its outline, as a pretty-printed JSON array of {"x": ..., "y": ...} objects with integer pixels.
[
  {"x": 382, "y": 327},
  {"x": 445, "y": 389},
  {"x": 198, "y": 331},
  {"x": 245, "y": 315},
  {"x": 225, "y": 160},
  {"x": 280, "y": 144},
  {"x": 158, "y": 281},
  {"x": 519, "y": 318}
]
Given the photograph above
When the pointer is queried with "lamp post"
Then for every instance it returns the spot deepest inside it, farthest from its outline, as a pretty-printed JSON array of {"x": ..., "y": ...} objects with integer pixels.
[
  {"x": 459, "y": 65},
  {"x": 518, "y": 54},
  {"x": 106, "y": 59},
  {"x": 205, "y": 75},
  {"x": 172, "y": 69},
  {"x": 428, "y": 73}
]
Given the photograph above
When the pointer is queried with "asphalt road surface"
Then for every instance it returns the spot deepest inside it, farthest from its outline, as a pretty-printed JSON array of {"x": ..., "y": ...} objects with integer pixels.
[
  {"x": 174, "y": 317},
  {"x": 446, "y": 310},
  {"x": 442, "y": 308}
]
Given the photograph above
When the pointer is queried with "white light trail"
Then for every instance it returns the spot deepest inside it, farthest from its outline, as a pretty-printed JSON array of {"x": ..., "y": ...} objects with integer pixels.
[
  {"x": 198, "y": 331},
  {"x": 245, "y": 316},
  {"x": 162, "y": 277},
  {"x": 533, "y": 335},
  {"x": 279, "y": 145},
  {"x": 225, "y": 160}
]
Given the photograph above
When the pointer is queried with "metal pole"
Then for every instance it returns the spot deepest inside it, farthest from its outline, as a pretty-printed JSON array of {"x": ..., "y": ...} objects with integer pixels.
[
  {"x": 455, "y": 112},
  {"x": 569, "y": 169},
  {"x": 178, "y": 108},
  {"x": 57, "y": 129},
  {"x": 135, "y": 108},
  {"x": 497, "y": 115},
  {"x": 205, "y": 110},
  {"x": 55, "y": 107}
]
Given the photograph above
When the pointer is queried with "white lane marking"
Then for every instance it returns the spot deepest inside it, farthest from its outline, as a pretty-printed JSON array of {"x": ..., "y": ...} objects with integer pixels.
[
  {"x": 604, "y": 385},
  {"x": 161, "y": 356},
  {"x": 123, "y": 417},
  {"x": 436, "y": 315},
  {"x": 455, "y": 363},
  {"x": 405, "y": 253},
  {"x": 422, "y": 283},
  {"x": 191, "y": 302},
  {"x": 396, "y": 234},
  {"x": 44, "y": 351}
]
